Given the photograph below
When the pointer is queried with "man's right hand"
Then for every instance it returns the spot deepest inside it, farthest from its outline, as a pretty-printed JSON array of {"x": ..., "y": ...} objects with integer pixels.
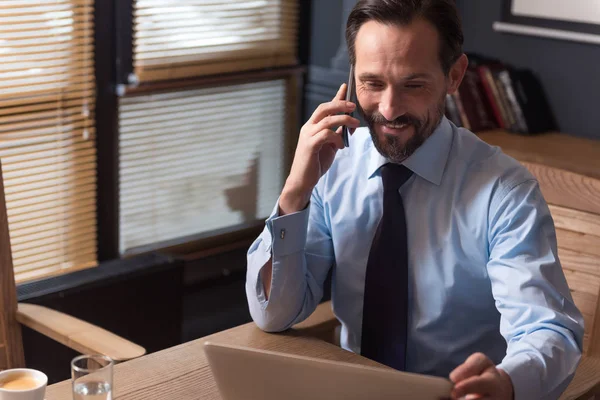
[{"x": 317, "y": 146}]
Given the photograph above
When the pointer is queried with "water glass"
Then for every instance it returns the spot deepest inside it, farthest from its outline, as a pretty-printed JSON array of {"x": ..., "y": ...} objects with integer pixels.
[{"x": 92, "y": 377}]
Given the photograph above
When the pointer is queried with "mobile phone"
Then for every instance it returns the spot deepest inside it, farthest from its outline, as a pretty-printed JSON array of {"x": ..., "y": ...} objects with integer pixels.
[{"x": 349, "y": 94}]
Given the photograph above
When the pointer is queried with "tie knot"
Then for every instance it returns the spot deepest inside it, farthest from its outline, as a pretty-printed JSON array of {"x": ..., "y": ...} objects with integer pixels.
[{"x": 394, "y": 176}]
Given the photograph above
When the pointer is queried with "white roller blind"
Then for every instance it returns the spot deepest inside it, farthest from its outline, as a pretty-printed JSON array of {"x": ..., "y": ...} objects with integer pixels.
[
  {"x": 47, "y": 149},
  {"x": 199, "y": 160},
  {"x": 195, "y": 37}
]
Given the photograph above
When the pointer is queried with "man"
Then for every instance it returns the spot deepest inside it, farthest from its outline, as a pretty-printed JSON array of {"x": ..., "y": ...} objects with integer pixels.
[{"x": 444, "y": 251}]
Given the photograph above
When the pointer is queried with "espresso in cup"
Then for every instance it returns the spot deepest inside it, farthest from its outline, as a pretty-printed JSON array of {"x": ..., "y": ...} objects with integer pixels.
[
  {"x": 21, "y": 381},
  {"x": 22, "y": 384}
]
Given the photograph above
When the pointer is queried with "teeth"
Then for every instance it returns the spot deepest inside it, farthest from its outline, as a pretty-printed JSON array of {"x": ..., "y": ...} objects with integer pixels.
[{"x": 396, "y": 126}]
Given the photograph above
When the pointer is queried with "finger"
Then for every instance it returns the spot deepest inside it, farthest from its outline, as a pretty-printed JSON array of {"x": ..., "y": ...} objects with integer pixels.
[
  {"x": 336, "y": 120},
  {"x": 334, "y": 107},
  {"x": 327, "y": 136},
  {"x": 475, "y": 365},
  {"x": 483, "y": 385},
  {"x": 341, "y": 93}
]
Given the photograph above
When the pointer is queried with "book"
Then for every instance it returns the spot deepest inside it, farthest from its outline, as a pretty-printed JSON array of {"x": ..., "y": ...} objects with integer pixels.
[
  {"x": 494, "y": 94},
  {"x": 533, "y": 101},
  {"x": 477, "y": 109}
]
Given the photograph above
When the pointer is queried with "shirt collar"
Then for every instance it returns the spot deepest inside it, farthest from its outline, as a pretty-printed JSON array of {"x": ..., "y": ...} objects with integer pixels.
[{"x": 428, "y": 161}]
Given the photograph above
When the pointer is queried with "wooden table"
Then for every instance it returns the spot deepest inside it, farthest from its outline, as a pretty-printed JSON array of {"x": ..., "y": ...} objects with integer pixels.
[{"x": 182, "y": 372}]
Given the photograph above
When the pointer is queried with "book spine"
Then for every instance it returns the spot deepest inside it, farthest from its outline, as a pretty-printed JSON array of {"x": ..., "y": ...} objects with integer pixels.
[
  {"x": 487, "y": 82},
  {"x": 509, "y": 118},
  {"x": 475, "y": 102},
  {"x": 521, "y": 123}
]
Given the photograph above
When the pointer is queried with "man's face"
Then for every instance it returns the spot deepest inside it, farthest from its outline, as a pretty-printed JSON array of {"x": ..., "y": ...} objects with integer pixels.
[{"x": 400, "y": 85}]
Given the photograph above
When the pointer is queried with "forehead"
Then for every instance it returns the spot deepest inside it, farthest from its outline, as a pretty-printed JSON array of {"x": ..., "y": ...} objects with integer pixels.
[{"x": 412, "y": 47}]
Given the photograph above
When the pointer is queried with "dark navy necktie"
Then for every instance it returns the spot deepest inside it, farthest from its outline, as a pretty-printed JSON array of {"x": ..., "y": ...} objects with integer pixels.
[{"x": 385, "y": 307}]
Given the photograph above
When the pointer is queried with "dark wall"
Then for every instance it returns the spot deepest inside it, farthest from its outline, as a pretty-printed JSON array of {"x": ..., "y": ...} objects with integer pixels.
[
  {"x": 569, "y": 71},
  {"x": 327, "y": 58}
]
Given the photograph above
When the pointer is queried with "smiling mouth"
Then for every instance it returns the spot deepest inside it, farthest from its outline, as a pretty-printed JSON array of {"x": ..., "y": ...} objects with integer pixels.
[{"x": 394, "y": 128}]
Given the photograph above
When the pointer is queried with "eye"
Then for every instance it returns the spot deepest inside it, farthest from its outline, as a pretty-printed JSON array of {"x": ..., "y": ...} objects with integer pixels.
[
  {"x": 415, "y": 86},
  {"x": 373, "y": 85}
]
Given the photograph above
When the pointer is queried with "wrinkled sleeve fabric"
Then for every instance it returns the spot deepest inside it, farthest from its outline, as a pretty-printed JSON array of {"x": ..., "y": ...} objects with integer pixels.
[
  {"x": 301, "y": 250},
  {"x": 542, "y": 326}
]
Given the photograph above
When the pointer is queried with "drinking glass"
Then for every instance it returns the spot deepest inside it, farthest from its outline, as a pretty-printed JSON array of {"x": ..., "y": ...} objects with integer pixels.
[{"x": 92, "y": 377}]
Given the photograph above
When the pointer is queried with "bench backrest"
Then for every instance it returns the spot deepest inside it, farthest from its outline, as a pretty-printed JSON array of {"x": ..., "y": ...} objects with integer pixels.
[{"x": 574, "y": 202}]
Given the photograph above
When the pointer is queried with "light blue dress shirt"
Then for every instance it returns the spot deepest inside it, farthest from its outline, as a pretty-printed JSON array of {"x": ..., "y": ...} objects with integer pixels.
[{"x": 484, "y": 275}]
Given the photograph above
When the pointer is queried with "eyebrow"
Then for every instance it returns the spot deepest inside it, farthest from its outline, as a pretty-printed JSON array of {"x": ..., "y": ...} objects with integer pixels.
[{"x": 367, "y": 76}]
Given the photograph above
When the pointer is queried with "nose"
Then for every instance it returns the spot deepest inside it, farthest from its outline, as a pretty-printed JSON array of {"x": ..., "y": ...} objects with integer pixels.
[{"x": 391, "y": 104}]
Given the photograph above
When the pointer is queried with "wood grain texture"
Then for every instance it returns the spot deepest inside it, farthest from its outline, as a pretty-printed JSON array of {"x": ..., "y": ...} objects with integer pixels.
[
  {"x": 13, "y": 356},
  {"x": 79, "y": 335},
  {"x": 580, "y": 262},
  {"x": 578, "y": 242},
  {"x": 567, "y": 189},
  {"x": 182, "y": 372},
  {"x": 576, "y": 221},
  {"x": 594, "y": 330},
  {"x": 586, "y": 380},
  {"x": 555, "y": 150}
]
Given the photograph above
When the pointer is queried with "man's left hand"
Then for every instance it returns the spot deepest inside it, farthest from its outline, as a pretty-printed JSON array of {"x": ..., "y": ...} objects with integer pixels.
[{"x": 478, "y": 378}]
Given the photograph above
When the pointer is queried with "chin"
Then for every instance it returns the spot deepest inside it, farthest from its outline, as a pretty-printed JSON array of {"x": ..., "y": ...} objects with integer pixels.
[{"x": 400, "y": 135}]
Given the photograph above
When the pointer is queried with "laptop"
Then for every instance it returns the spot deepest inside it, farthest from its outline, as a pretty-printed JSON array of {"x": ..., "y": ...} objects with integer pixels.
[{"x": 242, "y": 373}]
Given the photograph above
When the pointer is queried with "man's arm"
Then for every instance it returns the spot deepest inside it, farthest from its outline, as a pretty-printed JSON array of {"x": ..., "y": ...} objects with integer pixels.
[
  {"x": 541, "y": 324},
  {"x": 293, "y": 276},
  {"x": 299, "y": 250}
]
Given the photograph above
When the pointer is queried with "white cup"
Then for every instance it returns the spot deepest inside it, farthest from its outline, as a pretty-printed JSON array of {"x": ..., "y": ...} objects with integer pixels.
[{"x": 34, "y": 393}]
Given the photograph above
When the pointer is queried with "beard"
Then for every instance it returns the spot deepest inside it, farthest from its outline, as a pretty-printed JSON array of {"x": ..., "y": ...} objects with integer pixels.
[{"x": 391, "y": 146}]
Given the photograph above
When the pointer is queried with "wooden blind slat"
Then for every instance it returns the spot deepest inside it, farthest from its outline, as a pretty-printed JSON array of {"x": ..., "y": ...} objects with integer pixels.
[
  {"x": 192, "y": 38},
  {"x": 47, "y": 132},
  {"x": 182, "y": 172},
  {"x": 49, "y": 203}
]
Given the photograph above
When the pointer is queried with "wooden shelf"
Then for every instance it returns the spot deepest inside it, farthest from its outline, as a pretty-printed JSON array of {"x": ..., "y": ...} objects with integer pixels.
[{"x": 553, "y": 149}]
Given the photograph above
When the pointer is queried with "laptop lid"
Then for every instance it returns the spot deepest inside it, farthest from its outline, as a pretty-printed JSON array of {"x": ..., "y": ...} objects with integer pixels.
[{"x": 249, "y": 374}]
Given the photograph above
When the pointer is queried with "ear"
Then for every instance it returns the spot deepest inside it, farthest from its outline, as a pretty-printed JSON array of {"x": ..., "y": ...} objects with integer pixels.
[{"x": 457, "y": 72}]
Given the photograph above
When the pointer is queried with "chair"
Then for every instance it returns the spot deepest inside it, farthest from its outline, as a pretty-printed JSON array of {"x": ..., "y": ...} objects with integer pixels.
[
  {"x": 71, "y": 332},
  {"x": 574, "y": 202}
]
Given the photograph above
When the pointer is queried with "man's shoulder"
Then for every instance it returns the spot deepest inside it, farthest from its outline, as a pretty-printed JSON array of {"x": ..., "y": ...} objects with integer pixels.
[{"x": 474, "y": 157}]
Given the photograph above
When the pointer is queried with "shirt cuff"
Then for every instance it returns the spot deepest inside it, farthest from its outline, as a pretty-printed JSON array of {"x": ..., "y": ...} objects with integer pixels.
[
  {"x": 288, "y": 232},
  {"x": 524, "y": 374}
]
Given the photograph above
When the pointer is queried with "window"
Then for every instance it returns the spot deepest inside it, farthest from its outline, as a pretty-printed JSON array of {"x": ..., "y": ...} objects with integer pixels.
[
  {"x": 190, "y": 38},
  {"x": 199, "y": 160},
  {"x": 47, "y": 136},
  {"x": 204, "y": 130}
]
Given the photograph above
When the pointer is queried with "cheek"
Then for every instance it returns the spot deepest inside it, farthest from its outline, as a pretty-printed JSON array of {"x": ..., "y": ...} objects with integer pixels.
[
  {"x": 426, "y": 101},
  {"x": 368, "y": 101}
]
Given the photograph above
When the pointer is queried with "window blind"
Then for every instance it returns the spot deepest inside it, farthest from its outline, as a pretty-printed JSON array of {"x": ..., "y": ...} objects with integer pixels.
[
  {"x": 47, "y": 150},
  {"x": 198, "y": 160},
  {"x": 194, "y": 38}
]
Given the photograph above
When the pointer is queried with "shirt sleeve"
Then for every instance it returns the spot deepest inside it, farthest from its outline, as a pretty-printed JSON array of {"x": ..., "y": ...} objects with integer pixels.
[
  {"x": 301, "y": 251},
  {"x": 539, "y": 320}
]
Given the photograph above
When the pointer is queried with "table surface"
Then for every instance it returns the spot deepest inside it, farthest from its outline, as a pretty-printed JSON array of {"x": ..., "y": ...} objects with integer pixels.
[{"x": 182, "y": 372}]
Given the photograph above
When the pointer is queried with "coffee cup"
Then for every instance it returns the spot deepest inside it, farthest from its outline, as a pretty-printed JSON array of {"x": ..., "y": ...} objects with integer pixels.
[{"x": 22, "y": 384}]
